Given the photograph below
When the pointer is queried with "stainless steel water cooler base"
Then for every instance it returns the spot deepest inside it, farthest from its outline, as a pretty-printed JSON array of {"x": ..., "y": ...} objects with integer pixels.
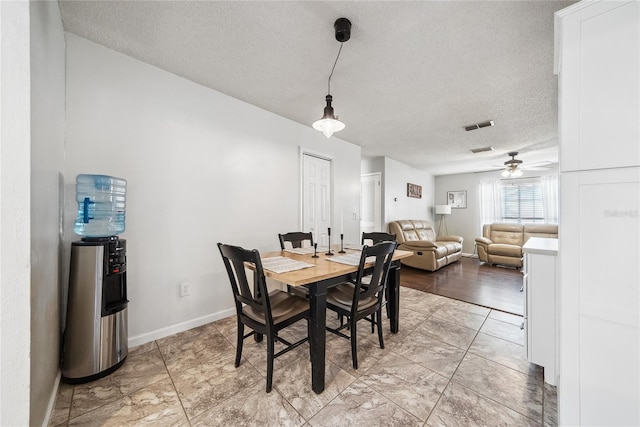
[{"x": 95, "y": 343}]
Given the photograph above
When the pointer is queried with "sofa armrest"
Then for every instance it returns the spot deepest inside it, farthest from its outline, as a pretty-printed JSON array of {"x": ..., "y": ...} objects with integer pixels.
[
  {"x": 483, "y": 240},
  {"x": 417, "y": 245},
  {"x": 451, "y": 239}
]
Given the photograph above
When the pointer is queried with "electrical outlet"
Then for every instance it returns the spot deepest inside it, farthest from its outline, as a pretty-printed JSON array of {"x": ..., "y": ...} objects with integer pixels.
[{"x": 185, "y": 289}]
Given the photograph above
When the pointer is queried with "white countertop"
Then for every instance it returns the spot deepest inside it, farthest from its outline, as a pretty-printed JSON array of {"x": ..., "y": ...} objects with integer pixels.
[{"x": 540, "y": 245}]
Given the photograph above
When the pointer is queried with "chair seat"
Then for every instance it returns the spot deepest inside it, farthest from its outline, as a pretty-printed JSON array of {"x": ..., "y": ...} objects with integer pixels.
[
  {"x": 283, "y": 306},
  {"x": 504, "y": 249},
  {"x": 451, "y": 247},
  {"x": 342, "y": 296}
]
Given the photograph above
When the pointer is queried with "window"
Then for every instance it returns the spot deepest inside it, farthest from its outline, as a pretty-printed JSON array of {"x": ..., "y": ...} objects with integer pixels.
[
  {"x": 522, "y": 202},
  {"x": 528, "y": 200}
]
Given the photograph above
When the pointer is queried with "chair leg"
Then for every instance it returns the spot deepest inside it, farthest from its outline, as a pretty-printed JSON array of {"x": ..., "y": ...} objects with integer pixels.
[
  {"x": 354, "y": 351},
  {"x": 270, "y": 353},
  {"x": 379, "y": 323},
  {"x": 373, "y": 321},
  {"x": 240, "y": 341}
]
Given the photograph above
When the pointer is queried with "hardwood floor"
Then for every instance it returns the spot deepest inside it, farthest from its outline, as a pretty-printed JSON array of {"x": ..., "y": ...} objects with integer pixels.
[{"x": 471, "y": 281}]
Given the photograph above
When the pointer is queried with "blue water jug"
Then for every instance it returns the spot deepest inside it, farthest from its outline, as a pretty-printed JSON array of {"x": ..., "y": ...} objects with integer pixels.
[{"x": 101, "y": 205}]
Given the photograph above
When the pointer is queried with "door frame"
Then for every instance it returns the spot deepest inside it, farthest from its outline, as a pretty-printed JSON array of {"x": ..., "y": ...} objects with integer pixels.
[
  {"x": 380, "y": 225},
  {"x": 302, "y": 152}
]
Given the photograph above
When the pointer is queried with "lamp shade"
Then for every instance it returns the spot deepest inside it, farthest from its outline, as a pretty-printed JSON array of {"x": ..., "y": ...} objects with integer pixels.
[
  {"x": 443, "y": 209},
  {"x": 329, "y": 123}
]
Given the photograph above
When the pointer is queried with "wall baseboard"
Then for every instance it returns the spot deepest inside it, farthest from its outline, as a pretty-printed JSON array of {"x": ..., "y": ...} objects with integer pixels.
[
  {"x": 52, "y": 399},
  {"x": 179, "y": 327},
  {"x": 469, "y": 255}
]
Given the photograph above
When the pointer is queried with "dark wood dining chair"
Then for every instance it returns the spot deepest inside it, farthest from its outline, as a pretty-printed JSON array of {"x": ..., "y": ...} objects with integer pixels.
[
  {"x": 296, "y": 238},
  {"x": 357, "y": 301},
  {"x": 263, "y": 312},
  {"x": 377, "y": 237}
]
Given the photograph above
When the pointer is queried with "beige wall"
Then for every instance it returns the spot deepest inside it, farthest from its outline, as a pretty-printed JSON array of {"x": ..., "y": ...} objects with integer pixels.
[{"x": 47, "y": 157}]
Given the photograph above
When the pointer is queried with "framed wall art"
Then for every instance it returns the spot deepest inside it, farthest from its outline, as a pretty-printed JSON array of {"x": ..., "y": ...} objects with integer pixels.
[
  {"x": 414, "y": 190},
  {"x": 457, "y": 199}
]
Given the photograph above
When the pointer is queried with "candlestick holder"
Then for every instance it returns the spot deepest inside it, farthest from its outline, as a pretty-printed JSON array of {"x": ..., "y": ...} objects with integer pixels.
[
  {"x": 315, "y": 251},
  {"x": 329, "y": 253},
  {"x": 342, "y": 251}
]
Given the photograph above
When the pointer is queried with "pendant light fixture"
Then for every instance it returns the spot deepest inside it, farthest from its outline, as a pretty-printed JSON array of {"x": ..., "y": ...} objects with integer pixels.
[{"x": 329, "y": 122}]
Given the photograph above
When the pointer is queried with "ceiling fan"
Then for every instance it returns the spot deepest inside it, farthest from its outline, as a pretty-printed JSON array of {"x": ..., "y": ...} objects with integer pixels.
[{"x": 513, "y": 168}]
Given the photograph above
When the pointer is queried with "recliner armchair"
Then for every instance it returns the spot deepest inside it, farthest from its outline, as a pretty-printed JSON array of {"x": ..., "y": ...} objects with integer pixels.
[{"x": 501, "y": 243}]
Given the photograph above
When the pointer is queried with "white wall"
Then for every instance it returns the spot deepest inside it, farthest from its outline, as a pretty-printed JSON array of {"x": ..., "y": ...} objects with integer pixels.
[
  {"x": 467, "y": 222},
  {"x": 15, "y": 115},
  {"x": 201, "y": 167},
  {"x": 47, "y": 157},
  {"x": 397, "y": 205}
]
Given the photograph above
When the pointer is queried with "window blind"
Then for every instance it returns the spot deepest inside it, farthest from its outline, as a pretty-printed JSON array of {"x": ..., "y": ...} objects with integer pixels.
[{"x": 522, "y": 202}]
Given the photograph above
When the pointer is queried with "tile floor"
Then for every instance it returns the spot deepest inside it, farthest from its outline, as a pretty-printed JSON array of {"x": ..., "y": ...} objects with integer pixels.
[{"x": 451, "y": 364}]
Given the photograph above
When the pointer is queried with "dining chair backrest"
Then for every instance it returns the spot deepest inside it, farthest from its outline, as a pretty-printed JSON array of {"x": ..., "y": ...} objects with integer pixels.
[
  {"x": 234, "y": 258},
  {"x": 377, "y": 237},
  {"x": 383, "y": 253},
  {"x": 296, "y": 238}
]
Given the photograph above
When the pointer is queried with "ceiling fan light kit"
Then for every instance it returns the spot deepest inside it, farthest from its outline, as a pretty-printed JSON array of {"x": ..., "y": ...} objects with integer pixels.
[
  {"x": 513, "y": 167},
  {"x": 329, "y": 123}
]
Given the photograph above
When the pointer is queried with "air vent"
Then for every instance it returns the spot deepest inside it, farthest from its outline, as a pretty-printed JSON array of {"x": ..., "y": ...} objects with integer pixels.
[
  {"x": 479, "y": 125},
  {"x": 481, "y": 150}
]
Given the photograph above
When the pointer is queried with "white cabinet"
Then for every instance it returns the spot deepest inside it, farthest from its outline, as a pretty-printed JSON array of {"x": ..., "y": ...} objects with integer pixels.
[
  {"x": 599, "y": 82},
  {"x": 541, "y": 304},
  {"x": 598, "y": 62}
]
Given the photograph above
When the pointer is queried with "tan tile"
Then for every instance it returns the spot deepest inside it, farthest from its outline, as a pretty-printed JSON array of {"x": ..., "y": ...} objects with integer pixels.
[
  {"x": 455, "y": 315},
  {"x": 504, "y": 352},
  {"x": 504, "y": 330},
  {"x": 360, "y": 405},
  {"x": 460, "y": 406},
  {"x": 408, "y": 323},
  {"x": 517, "y": 391},
  {"x": 550, "y": 406},
  {"x": 251, "y": 407},
  {"x": 450, "y": 333},
  {"x": 293, "y": 382},
  {"x": 156, "y": 404},
  {"x": 199, "y": 345},
  {"x": 143, "y": 348},
  {"x": 421, "y": 303},
  {"x": 255, "y": 353},
  {"x": 62, "y": 406},
  {"x": 138, "y": 371},
  {"x": 471, "y": 308},
  {"x": 338, "y": 350},
  {"x": 411, "y": 386},
  {"x": 209, "y": 383},
  {"x": 422, "y": 348},
  {"x": 228, "y": 328},
  {"x": 506, "y": 317}
]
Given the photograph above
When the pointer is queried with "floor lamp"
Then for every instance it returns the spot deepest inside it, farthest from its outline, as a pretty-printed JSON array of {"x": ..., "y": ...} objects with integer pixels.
[{"x": 443, "y": 210}]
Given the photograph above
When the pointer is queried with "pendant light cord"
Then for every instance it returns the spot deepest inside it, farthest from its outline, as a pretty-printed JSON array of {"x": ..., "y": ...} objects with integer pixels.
[{"x": 334, "y": 67}]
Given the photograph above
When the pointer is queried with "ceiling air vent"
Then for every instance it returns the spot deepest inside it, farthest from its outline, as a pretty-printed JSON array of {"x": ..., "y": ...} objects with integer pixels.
[
  {"x": 481, "y": 150},
  {"x": 479, "y": 125}
]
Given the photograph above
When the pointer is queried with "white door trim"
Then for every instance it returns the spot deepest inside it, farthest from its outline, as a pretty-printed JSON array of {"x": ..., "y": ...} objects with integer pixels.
[{"x": 305, "y": 151}]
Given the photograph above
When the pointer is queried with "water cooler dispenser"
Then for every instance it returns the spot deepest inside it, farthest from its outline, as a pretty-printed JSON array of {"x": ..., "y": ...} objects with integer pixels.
[{"x": 95, "y": 339}]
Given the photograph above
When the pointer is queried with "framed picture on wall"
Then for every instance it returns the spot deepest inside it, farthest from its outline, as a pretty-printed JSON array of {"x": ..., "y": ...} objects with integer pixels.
[
  {"x": 457, "y": 199},
  {"x": 414, "y": 190}
]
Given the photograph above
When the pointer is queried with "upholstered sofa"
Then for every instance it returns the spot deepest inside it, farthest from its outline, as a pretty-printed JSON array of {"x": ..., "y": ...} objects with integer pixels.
[
  {"x": 501, "y": 243},
  {"x": 429, "y": 253}
]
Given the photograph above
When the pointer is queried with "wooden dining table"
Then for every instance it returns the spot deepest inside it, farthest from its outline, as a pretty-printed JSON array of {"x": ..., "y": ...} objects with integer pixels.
[{"x": 318, "y": 279}]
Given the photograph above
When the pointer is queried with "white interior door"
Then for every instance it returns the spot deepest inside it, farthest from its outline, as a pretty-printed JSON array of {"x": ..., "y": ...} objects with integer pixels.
[
  {"x": 370, "y": 203},
  {"x": 316, "y": 198}
]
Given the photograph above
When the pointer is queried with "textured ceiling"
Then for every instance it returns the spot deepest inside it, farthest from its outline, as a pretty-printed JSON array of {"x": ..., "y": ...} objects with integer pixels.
[{"x": 409, "y": 80}]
